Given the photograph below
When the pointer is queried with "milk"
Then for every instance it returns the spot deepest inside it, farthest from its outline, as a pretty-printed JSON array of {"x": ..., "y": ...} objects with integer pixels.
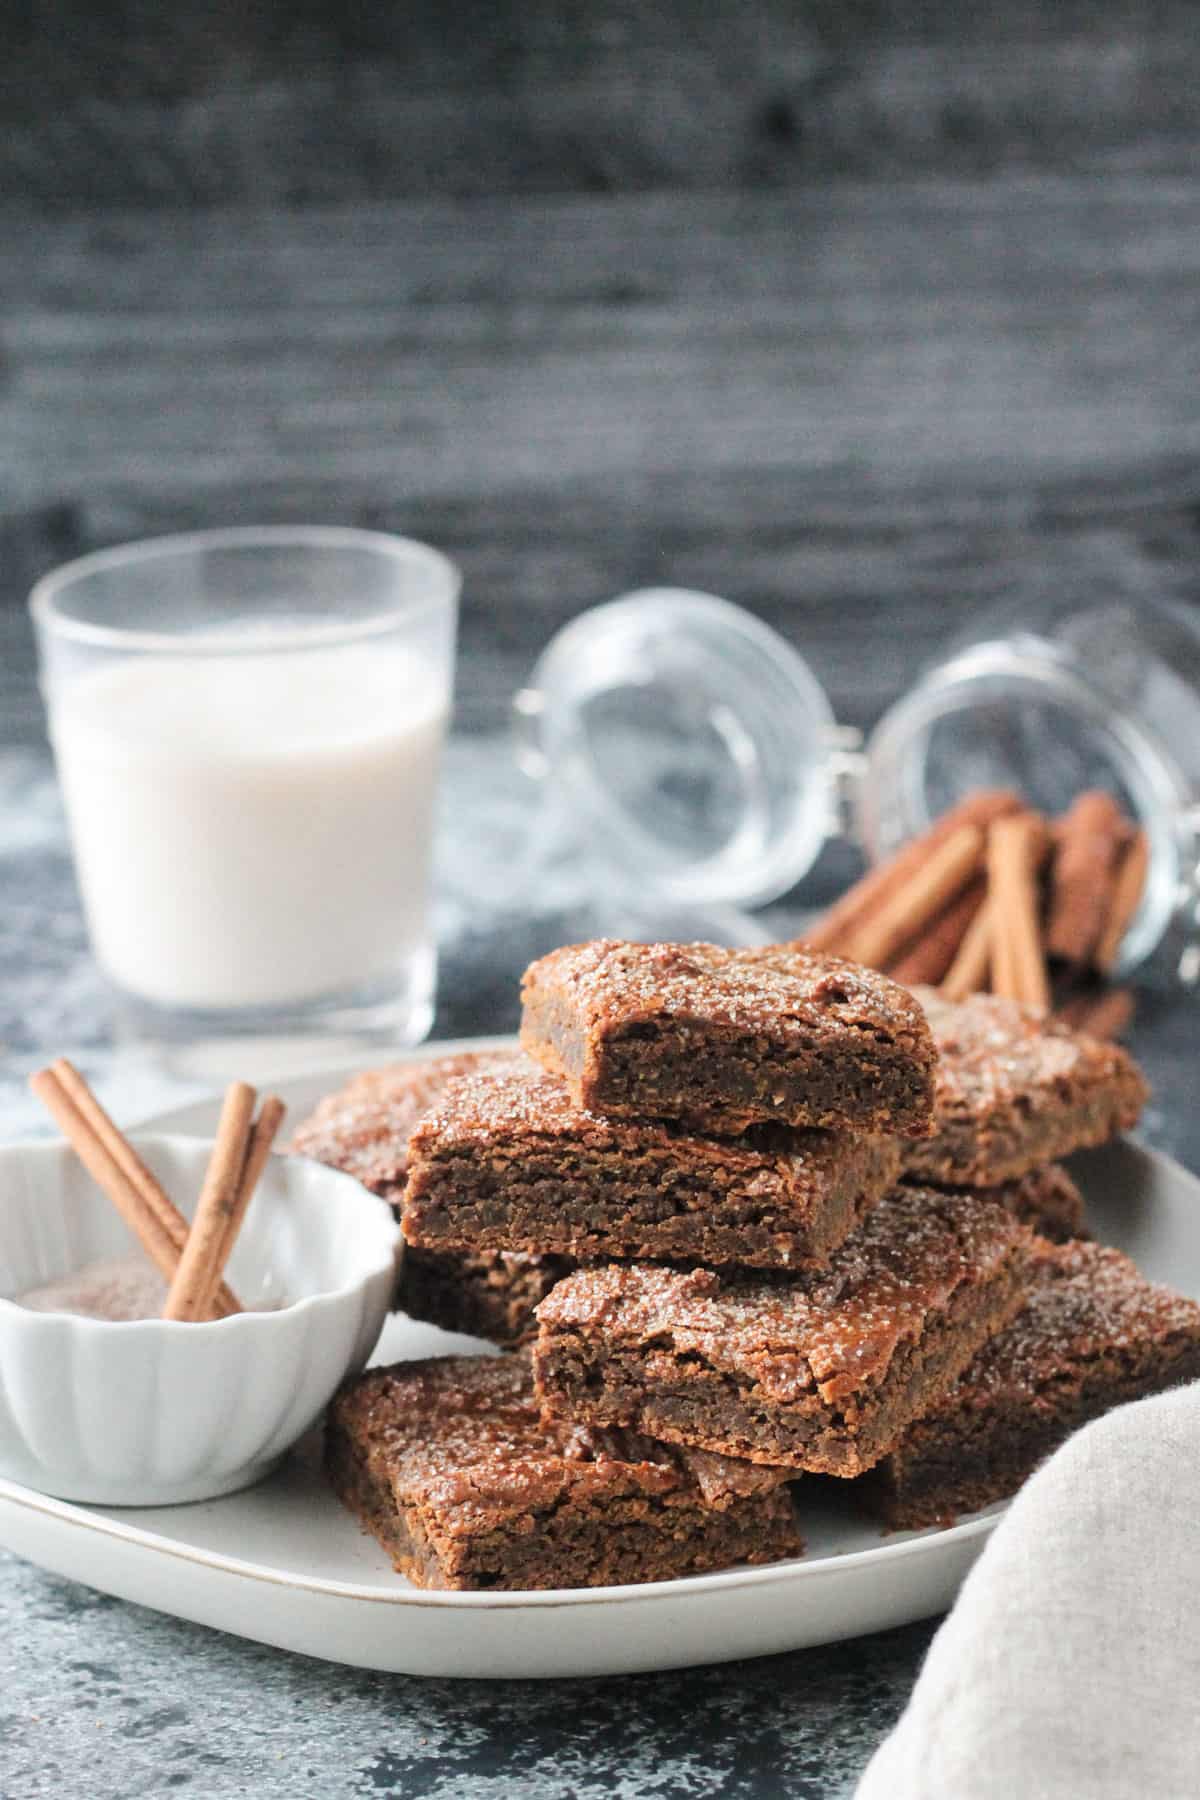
[{"x": 252, "y": 830}]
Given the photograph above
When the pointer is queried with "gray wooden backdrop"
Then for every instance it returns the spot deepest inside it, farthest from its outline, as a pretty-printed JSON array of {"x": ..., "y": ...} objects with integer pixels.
[{"x": 863, "y": 314}]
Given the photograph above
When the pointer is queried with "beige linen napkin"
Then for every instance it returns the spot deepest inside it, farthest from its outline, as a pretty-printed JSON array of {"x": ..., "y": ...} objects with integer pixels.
[{"x": 1069, "y": 1668}]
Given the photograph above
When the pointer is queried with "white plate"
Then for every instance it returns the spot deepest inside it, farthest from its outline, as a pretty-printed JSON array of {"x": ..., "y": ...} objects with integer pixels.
[{"x": 283, "y": 1564}]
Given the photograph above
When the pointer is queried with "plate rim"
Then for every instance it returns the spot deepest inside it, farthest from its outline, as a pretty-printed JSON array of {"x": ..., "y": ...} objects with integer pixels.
[{"x": 795, "y": 1568}]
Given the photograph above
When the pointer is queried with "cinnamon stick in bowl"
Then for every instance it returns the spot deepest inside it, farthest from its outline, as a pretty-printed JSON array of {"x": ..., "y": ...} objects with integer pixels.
[
  {"x": 155, "y": 1202},
  {"x": 238, "y": 1158},
  {"x": 235, "y": 1168},
  {"x": 145, "y": 1411}
]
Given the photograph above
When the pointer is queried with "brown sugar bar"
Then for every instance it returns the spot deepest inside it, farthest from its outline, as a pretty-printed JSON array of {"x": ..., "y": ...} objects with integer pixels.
[
  {"x": 1015, "y": 1089},
  {"x": 495, "y": 1294},
  {"x": 363, "y": 1128},
  {"x": 1047, "y": 1200},
  {"x": 820, "y": 1371},
  {"x": 722, "y": 1039},
  {"x": 1093, "y": 1333},
  {"x": 491, "y": 1294},
  {"x": 508, "y": 1161},
  {"x": 449, "y": 1464}
]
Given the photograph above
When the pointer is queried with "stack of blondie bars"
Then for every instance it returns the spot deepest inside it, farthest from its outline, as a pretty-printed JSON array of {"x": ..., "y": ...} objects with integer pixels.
[
  {"x": 745, "y": 1217},
  {"x": 1015, "y": 1091}
]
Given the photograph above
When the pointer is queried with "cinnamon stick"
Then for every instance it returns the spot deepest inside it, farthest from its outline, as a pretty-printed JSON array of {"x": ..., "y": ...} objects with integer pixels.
[
  {"x": 1089, "y": 841},
  {"x": 928, "y": 958},
  {"x": 968, "y": 973},
  {"x": 100, "y": 1164},
  {"x": 262, "y": 1137},
  {"x": 834, "y": 929},
  {"x": 1018, "y": 962},
  {"x": 190, "y": 1294},
  {"x": 943, "y": 875},
  {"x": 140, "y": 1178},
  {"x": 1126, "y": 898}
]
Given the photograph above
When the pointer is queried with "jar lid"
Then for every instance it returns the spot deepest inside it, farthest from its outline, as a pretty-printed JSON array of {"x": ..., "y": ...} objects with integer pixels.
[{"x": 686, "y": 746}]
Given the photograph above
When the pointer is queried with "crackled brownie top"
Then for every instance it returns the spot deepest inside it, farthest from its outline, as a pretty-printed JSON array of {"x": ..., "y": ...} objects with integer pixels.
[
  {"x": 1086, "y": 1302},
  {"x": 616, "y": 985},
  {"x": 497, "y": 1109},
  {"x": 834, "y": 1330},
  {"x": 1014, "y": 1088},
  {"x": 463, "y": 1436},
  {"x": 363, "y": 1128}
]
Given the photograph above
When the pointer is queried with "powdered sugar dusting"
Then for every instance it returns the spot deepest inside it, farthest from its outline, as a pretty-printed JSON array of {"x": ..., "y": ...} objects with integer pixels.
[
  {"x": 1085, "y": 1301},
  {"x": 772, "y": 989},
  {"x": 363, "y": 1128},
  {"x": 990, "y": 1049}
]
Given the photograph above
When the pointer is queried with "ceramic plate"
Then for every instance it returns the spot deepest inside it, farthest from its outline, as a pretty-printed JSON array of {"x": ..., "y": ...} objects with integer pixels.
[{"x": 283, "y": 1564}]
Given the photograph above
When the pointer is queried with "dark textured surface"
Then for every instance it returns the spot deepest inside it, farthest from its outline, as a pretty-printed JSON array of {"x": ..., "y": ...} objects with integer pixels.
[
  {"x": 113, "y": 1702},
  {"x": 935, "y": 345}
]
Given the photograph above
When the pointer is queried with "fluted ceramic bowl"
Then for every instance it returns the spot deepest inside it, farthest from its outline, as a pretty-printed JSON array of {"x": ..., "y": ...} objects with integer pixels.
[{"x": 152, "y": 1411}]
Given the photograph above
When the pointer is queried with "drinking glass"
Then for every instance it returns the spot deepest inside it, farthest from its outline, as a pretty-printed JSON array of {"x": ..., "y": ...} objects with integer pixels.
[{"x": 247, "y": 726}]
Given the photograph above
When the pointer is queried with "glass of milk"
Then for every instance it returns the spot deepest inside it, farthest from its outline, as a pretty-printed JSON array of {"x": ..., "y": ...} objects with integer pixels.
[{"x": 247, "y": 726}]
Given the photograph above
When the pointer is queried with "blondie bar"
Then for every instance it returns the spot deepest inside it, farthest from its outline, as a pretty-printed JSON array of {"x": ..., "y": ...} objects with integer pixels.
[
  {"x": 722, "y": 1039},
  {"x": 820, "y": 1371},
  {"x": 1093, "y": 1333},
  {"x": 1015, "y": 1089},
  {"x": 448, "y": 1463},
  {"x": 508, "y": 1161}
]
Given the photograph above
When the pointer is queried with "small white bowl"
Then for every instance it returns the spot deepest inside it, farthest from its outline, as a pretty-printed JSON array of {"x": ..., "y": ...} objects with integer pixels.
[{"x": 152, "y": 1411}]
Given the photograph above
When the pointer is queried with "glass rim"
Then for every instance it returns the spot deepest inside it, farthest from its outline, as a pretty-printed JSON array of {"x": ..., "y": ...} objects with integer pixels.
[{"x": 45, "y": 599}]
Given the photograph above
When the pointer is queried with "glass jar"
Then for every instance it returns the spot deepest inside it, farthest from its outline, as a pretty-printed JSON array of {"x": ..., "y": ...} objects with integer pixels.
[{"x": 692, "y": 759}]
